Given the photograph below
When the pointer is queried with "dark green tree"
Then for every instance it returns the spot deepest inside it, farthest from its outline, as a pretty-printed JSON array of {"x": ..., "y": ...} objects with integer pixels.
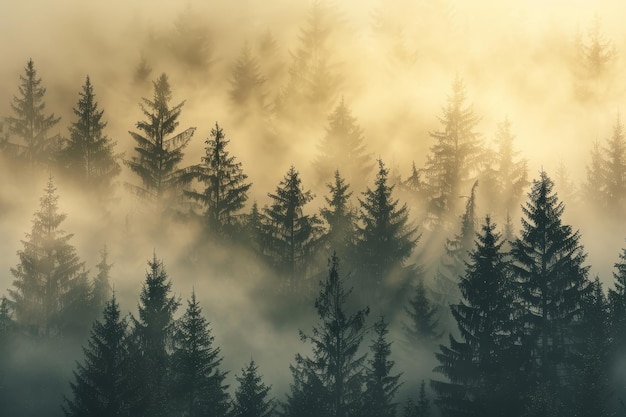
[
  {"x": 330, "y": 382},
  {"x": 225, "y": 187},
  {"x": 293, "y": 235},
  {"x": 340, "y": 219},
  {"x": 30, "y": 126},
  {"x": 50, "y": 280},
  {"x": 381, "y": 386},
  {"x": 151, "y": 337},
  {"x": 251, "y": 397},
  {"x": 423, "y": 325},
  {"x": 617, "y": 324},
  {"x": 343, "y": 148},
  {"x": 246, "y": 83},
  {"x": 385, "y": 236},
  {"x": 552, "y": 283},
  {"x": 456, "y": 157},
  {"x": 159, "y": 153},
  {"x": 481, "y": 367},
  {"x": 89, "y": 154},
  {"x": 100, "y": 386},
  {"x": 198, "y": 387}
]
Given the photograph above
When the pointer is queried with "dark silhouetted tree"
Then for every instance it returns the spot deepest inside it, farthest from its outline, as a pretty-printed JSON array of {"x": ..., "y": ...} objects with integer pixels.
[
  {"x": 159, "y": 153},
  {"x": 423, "y": 325},
  {"x": 251, "y": 397},
  {"x": 330, "y": 382},
  {"x": 385, "y": 236},
  {"x": 225, "y": 187},
  {"x": 29, "y": 125},
  {"x": 340, "y": 218},
  {"x": 552, "y": 283},
  {"x": 421, "y": 408},
  {"x": 481, "y": 367},
  {"x": 151, "y": 337},
  {"x": 100, "y": 386},
  {"x": 617, "y": 324},
  {"x": 246, "y": 83},
  {"x": 343, "y": 148},
  {"x": 198, "y": 387},
  {"x": 456, "y": 157},
  {"x": 88, "y": 154},
  {"x": 101, "y": 291},
  {"x": 381, "y": 385},
  {"x": 293, "y": 235},
  {"x": 50, "y": 279}
]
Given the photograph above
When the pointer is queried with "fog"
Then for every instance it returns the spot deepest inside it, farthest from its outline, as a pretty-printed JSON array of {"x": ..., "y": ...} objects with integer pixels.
[{"x": 397, "y": 61}]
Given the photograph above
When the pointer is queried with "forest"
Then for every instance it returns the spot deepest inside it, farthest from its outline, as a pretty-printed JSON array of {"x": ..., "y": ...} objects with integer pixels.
[{"x": 329, "y": 209}]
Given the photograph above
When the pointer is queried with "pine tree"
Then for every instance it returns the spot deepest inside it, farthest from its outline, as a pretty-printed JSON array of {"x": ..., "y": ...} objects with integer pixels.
[
  {"x": 292, "y": 234},
  {"x": 481, "y": 367},
  {"x": 198, "y": 384},
  {"x": 385, "y": 236},
  {"x": 456, "y": 156},
  {"x": 251, "y": 397},
  {"x": 340, "y": 218},
  {"x": 597, "y": 54},
  {"x": 158, "y": 153},
  {"x": 615, "y": 170},
  {"x": 100, "y": 386},
  {"x": 50, "y": 275},
  {"x": 617, "y": 322},
  {"x": 380, "y": 385},
  {"x": 594, "y": 187},
  {"x": 247, "y": 83},
  {"x": 101, "y": 291},
  {"x": 422, "y": 408},
  {"x": 548, "y": 264},
  {"x": 30, "y": 124},
  {"x": 88, "y": 154},
  {"x": 330, "y": 382},
  {"x": 423, "y": 322},
  {"x": 343, "y": 147},
  {"x": 151, "y": 336},
  {"x": 225, "y": 187}
]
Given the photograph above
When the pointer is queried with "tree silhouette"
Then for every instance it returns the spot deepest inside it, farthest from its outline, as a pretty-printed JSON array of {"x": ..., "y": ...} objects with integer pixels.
[
  {"x": 340, "y": 218},
  {"x": 251, "y": 397},
  {"x": 247, "y": 83}
]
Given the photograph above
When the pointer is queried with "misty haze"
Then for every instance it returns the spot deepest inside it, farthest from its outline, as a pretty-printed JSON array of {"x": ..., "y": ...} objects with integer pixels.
[{"x": 319, "y": 208}]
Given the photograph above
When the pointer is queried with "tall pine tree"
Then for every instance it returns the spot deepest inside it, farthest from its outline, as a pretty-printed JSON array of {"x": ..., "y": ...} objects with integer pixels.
[
  {"x": 340, "y": 218},
  {"x": 251, "y": 397}
]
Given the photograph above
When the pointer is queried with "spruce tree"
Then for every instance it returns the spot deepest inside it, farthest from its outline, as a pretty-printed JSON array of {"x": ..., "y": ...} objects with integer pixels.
[
  {"x": 251, "y": 397},
  {"x": 100, "y": 386},
  {"x": 552, "y": 283},
  {"x": 423, "y": 325},
  {"x": 617, "y": 323},
  {"x": 594, "y": 187},
  {"x": 101, "y": 291},
  {"x": 343, "y": 147},
  {"x": 340, "y": 218},
  {"x": 50, "y": 280},
  {"x": 615, "y": 170},
  {"x": 225, "y": 187},
  {"x": 381, "y": 385},
  {"x": 421, "y": 408},
  {"x": 330, "y": 382},
  {"x": 385, "y": 238},
  {"x": 30, "y": 125},
  {"x": 246, "y": 83},
  {"x": 89, "y": 154},
  {"x": 481, "y": 367},
  {"x": 158, "y": 152},
  {"x": 293, "y": 235},
  {"x": 456, "y": 157},
  {"x": 151, "y": 338},
  {"x": 197, "y": 387}
]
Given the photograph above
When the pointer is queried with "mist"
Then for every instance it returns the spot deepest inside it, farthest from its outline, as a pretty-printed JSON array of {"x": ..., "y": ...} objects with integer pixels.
[{"x": 395, "y": 63}]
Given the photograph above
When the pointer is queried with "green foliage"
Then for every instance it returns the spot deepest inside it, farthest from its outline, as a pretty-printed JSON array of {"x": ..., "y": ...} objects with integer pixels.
[
  {"x": 340, "y": 218},
  {"x": 251, "y": 397}
]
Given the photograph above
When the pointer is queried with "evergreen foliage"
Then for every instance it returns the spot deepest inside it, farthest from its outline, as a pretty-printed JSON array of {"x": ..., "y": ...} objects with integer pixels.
[
  {"x": 340, "y": 218},
  {"x": 421, "y": 408},
  {"x": 101, "y": 284},
  {"x": 158, "y": 152},
  {"x": 594, "y": 187},
  {"x": 100, "y": 386},
  {"x": 30, "y": 125},
  {"x": 246, "y": 83},
  {"x": 225, "y": 187},
  {"x": 251, "y": 397},
  {"x": 423, "y": 323},
  {"x": 89, "y": 154}
]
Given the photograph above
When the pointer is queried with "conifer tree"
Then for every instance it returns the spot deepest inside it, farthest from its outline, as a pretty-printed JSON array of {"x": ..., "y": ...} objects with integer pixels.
[
  {"x": 251, "y": 397},
  {"x": 30, "y": 125},
  {"x": 158, "y": 152},
  {"x": 247, "y": 83},
  {"x": 552, "y": 283},
  {"x": 343, "y": 147},
  {"x": 7, "y": 327},
  {"x": 617, "y": 322},
  {"x": 292, "y": 235},
  {"x": 340, "y": 218},
  {"x": 380, "y": 385},
  {"x": 615, "y": 170},
  {"x": 423, "y": 323},
  {"x": 151, "y": 337},
  {"x": 50, "y": 278},
  {"x": 101, "y": 291},
  {"x": 198, "y": 387},
  {"x": 594, "y": 186},
  {"x": 225, "y": 187},
  {"x": 385, "y": 236},
  {"x": 88, "y": 155},
  {"x": 456, "y": 157},
  {"x": 330, "y": 382},
  {"x": 421, "y": 408},
  {"x": 596, "y": 54},
  {"x": 100, "y": 386}
]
